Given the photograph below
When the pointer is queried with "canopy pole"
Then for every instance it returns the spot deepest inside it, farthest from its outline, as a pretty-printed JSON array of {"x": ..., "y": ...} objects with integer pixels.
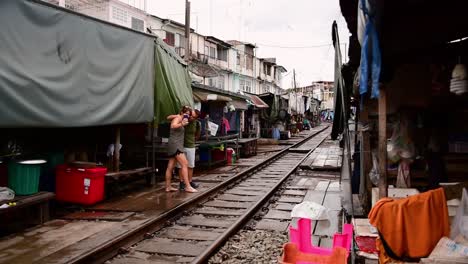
[
  {"x": 153, "y": 154},
  {"x": 366, "y": 156},
  {"x": 116, "y": 150},
  {"x": 383, "y": 188}
]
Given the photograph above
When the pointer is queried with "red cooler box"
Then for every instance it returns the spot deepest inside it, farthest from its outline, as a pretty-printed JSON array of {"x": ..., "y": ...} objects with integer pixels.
[{"x": 80, "y": 185}]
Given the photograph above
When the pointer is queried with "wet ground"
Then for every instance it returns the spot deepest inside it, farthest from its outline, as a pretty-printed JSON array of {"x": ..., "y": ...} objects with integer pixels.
[{"x": 60, "y": 240}]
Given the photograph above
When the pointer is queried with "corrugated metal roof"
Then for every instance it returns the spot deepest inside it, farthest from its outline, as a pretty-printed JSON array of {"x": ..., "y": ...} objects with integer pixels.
[
  {"x": 205, "y": 97},
  {"x": 259, "y": 103},
  {"x": 240, "y": 104}
]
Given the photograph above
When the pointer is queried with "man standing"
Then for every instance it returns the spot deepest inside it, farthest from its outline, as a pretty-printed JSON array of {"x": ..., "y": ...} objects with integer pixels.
[{"x": 192, "y": 133}]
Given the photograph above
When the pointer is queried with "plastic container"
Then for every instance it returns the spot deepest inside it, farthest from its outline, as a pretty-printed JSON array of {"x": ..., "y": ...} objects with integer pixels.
[
  {"x": 204, "y": 155},
  {"x": 80, "y": 185},
  {"x": 217, "y": 155},
  {"x": 292, "y": 255},
  {"x": 3, "y": 174},
  {"x": 47, "y": 181},
  {"x": 23, "y": 176},
  {"x": 231, "y": 156}
]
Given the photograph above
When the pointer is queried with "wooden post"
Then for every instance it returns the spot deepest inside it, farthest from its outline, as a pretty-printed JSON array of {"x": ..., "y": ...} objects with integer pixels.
[
  {"x": 366, "y": 158},
  {"x": 153, "y": 155},
  {"x": 383, "y": 188},
  {"x": 187, "y": 30},
  {"x": 116, "y": 150}
]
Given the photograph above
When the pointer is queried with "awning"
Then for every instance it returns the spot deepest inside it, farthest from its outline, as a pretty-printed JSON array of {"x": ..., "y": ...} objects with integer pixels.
[
  {"x": 60, "y": 69},
  {"x": 239, "y": 104},
  {"x": 206, "y": 97},
  {"x": 259, "y": 103}
]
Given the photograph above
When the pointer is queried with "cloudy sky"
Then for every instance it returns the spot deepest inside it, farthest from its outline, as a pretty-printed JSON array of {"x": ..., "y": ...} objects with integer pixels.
[{"x": 296, "y": 32}]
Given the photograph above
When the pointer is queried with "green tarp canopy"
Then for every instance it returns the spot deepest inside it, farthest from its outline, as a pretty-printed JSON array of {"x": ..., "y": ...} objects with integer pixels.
[{"x": 172, "y": 86}]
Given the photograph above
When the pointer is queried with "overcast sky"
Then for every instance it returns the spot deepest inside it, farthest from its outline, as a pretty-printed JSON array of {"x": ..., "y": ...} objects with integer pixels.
[{"x": 285, "y": 29}]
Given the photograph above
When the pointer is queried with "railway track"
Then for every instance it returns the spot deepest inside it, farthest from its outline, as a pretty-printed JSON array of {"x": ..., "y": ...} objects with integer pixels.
[{"x": 195, "y": 230}]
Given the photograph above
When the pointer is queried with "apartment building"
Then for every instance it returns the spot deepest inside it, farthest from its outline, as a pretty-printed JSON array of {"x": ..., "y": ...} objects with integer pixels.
[
  {"x": 113, "y": 11},
  {"x": 322, "y": 91},
  {"x": 228, "y": 65}
]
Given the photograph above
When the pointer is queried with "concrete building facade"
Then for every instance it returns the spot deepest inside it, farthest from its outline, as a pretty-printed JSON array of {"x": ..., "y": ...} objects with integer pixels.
[{"x": 228, "y": 65}]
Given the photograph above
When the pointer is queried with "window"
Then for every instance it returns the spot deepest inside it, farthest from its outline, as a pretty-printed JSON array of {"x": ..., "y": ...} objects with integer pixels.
[
  {"x": 119, "y": 15},
  {"x": 221, "y": 82},
  {"x": 170, "y": 39},
  {"x": 245, "y": 85},
  {"x": 222, "y": 53},
  {"x": 212, "y": 82},
  {"x": 180, "y": 40},
  {"x": 212, "y": 52},
  {"x": 238, "y": 58},
  {"x": 267, "y": 70},
  {"x": 266, "y": 88},
  {"x": 138, "y": 24},
  {"x": 249, "y": 62}
]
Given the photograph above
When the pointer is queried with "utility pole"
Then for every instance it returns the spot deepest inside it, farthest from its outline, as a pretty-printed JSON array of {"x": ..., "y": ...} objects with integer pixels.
[
  {"x": 295, "y": 90},
  {"x": 187, "y": 30}
]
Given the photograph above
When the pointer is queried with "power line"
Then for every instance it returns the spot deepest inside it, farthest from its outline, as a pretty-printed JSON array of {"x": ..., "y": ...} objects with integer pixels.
[
  {"x": 298, "y": 47},
  {"x": 294, "y": 47}
]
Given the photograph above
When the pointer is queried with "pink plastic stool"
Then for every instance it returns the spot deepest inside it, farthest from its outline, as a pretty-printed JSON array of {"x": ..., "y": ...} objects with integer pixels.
[{"x": 302, "y": 237}]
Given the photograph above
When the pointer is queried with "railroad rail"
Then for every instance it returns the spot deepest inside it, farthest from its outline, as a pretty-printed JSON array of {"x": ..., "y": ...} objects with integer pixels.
[{"x": 194, "y": 230}]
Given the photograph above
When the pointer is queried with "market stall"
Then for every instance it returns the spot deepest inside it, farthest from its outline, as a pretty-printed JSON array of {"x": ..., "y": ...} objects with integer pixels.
[
  {"x": 84, "y": 103},
  {"x": 410, "y": 83}
]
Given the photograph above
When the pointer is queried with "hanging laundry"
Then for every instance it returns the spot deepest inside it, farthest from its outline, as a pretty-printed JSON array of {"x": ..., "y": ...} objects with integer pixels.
[{"x": 370, "y": 56}]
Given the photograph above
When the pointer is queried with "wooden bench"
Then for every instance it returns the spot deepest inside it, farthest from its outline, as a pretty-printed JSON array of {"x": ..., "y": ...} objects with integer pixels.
[
  {"x": 40, "y": 199},
  {"x": 125, "y": 174}
]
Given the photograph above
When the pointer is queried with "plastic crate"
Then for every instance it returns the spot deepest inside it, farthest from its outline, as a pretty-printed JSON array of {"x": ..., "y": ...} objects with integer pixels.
[{"x": 80, "y": 185}]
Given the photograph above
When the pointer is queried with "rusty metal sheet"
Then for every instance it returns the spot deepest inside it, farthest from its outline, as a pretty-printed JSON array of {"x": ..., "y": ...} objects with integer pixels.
[
  {"x": 275, "y": 225},
  {"x": 170, "y": 247},
  {"x": 190, "y": 234},
  {"x": 223, "y": 204},
  {"x": 288, "y": 199},
  {"x": 199, "y": 220},
  {"x": 238, "y": 198},
  {"x": 277, "y": 214}
]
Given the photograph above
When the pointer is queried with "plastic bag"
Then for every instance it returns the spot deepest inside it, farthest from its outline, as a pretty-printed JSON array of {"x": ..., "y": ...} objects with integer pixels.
[
  {"x": 459, "y": 228},
  {"x": 400, "y": 145},
  {"x": 310, "y": 210},
  {"x": 213, "y": 127},
  {"x": 6, "y": 194},
  {"x": 403, "y": 178},
  {"x": 374, "y": 173}
]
